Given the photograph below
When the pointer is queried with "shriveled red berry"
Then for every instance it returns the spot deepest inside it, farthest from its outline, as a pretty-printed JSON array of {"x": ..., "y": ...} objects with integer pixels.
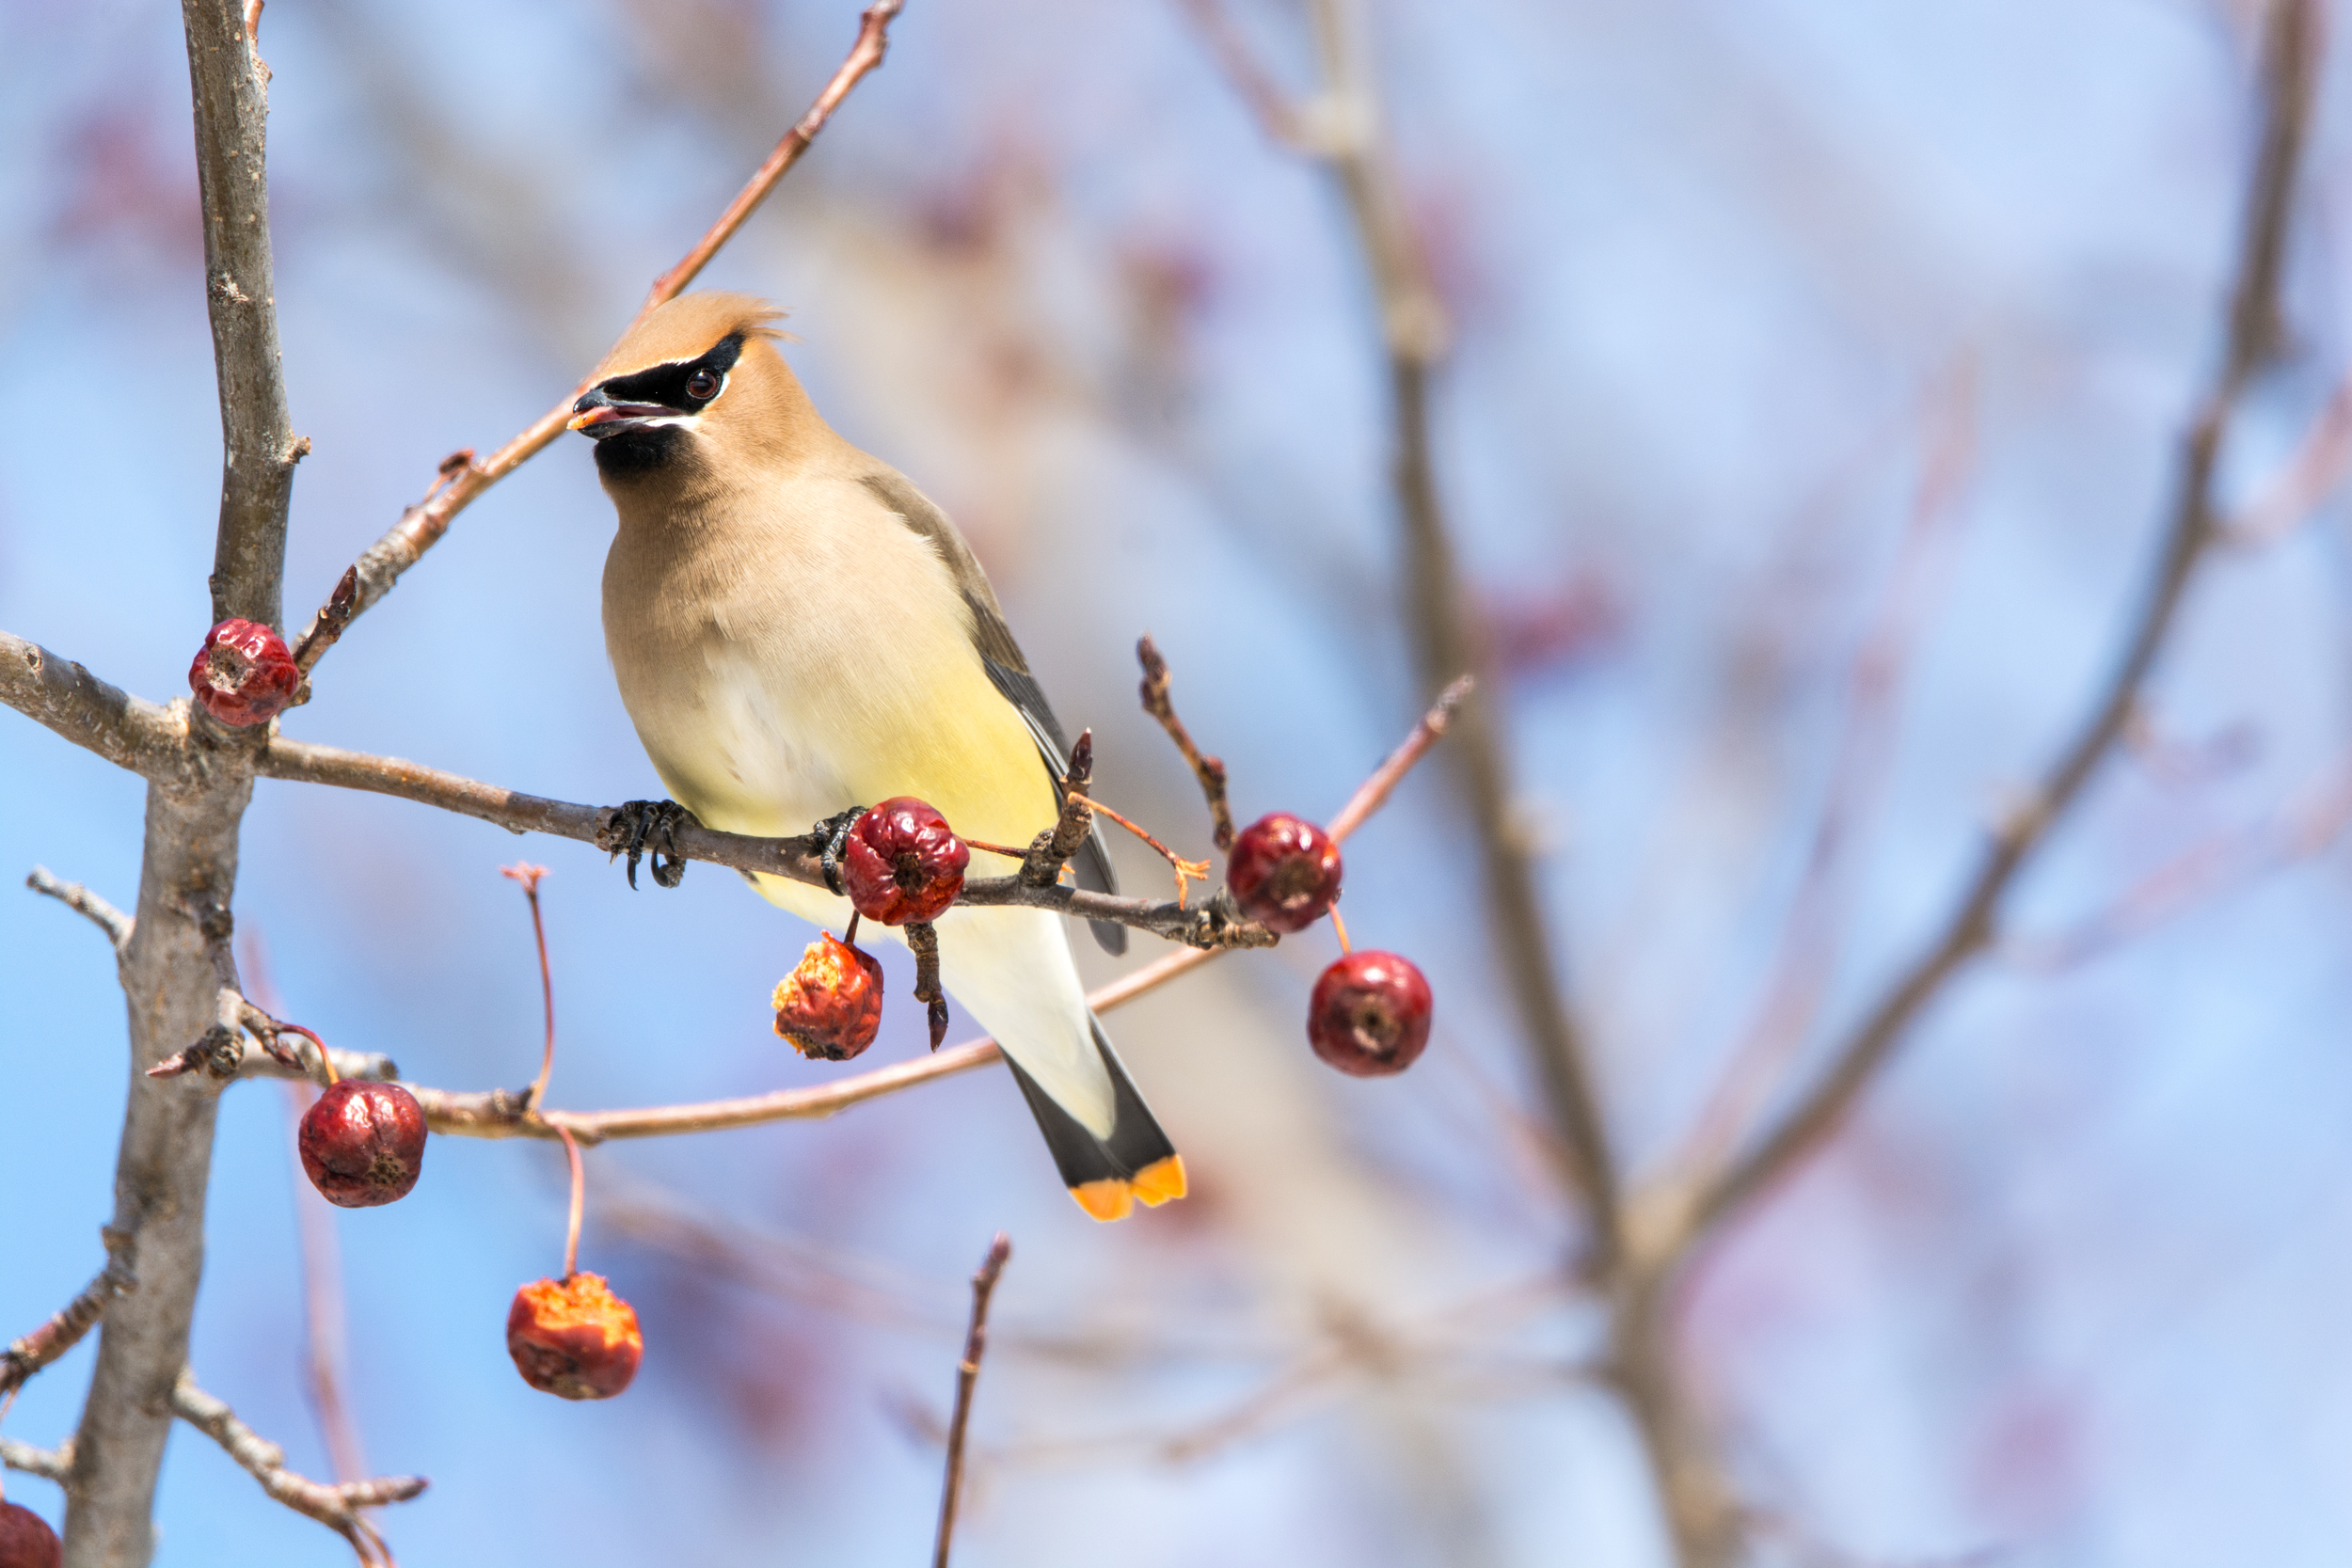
[
  {"x": 573, "y": 1337},
  {"x": 831, "y": 1006},
  {"x": 1285, "y": 872},
  {"x": 1370, "y": 1014},
  {"x": 902, "y": 862},
  {"x": 243, "y": 675},
  {"x": 27, "y": 1540},
  {"x": 362, "y": 1144}
]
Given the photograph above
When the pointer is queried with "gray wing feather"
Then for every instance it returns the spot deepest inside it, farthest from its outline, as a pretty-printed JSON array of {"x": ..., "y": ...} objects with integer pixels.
[{"x": 1008, "y": 671}]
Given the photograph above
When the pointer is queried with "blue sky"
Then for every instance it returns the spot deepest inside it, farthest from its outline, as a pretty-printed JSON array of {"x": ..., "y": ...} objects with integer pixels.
[{"x": 1723, "y": 276}]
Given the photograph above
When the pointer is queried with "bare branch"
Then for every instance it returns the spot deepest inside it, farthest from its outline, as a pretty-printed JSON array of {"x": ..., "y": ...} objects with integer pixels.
[
  {"x": 2288, "y": 67},
  {"x": 502, "y": 1113},
  {"x": 259, "y": 446},
  {"x": 1042, "y": 865},
  {"x": 61, "y": 1333},
  {"x": 1375, "y": 791},
  {"x": 422, "y": 527},
  {"x": 967, "y": 1377},
  {"x": 1216, "y": 923},
  {"x": 75, "y": 897},
  {"x": 149, "y": 740},
  {"x": 336, "y": 1507},
  {"x": 1339, "y": 131},
  {"x": 1208, "y": 769},
  {"x": 49, "y": 1463}
]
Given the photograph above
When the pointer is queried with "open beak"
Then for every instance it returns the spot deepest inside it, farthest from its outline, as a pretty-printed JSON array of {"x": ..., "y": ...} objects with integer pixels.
[{"x": 597, "y": 416}]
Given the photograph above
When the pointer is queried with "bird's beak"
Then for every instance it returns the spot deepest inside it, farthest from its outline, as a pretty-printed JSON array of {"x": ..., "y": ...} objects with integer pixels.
[{"x": 597, "y": 416}]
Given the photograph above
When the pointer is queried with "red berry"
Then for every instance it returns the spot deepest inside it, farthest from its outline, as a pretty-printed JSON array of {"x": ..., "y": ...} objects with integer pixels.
[
  {"x": 573, "y": 1337},
  {"x": 1370, "y": 1014},
  {"x": 902, "y": 862},
  {"x": 363, "y": 1144},
  {"x": 27, "y": 1540},
  {"x": 243, "y": 675},
  {"x": 1285, "y": 872},
  {"x": 831, "y": 1006}
]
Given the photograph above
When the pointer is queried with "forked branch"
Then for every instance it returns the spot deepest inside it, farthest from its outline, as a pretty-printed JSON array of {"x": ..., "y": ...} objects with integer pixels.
[{"x": 2289, "y": 64}]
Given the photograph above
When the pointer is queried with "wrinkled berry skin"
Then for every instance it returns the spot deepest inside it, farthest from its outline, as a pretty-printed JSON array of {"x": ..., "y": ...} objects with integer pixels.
[
  {"x": 902, "y": 862},
  {"x": 573, "y": 1337},
  {"x": 27, "y": 1540},
  {"x": 243, "y": 675},
  {"x": 831, "y": 1006},
  {"x": 1370, "y": 1014},
  {"x": 1285, "y": 872},
  {"x": 363, "y": 1144}
]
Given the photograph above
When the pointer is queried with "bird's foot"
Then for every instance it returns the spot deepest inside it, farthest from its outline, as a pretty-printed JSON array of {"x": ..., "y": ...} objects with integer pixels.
[
  {"x": 830, "y": 837},
  {"x": 642, "y": 828}
]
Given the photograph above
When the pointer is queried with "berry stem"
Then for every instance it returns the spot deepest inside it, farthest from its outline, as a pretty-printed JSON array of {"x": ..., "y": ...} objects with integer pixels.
[
  {"x": 849, "y": 932},
  {"x": 326, "y": 1057},
  {"x": 1340, "y": 926},
  {"x": 529, "y": 874},
  {"x": 1184, "y": 868},
  {"x": 579, "y": 1200}
]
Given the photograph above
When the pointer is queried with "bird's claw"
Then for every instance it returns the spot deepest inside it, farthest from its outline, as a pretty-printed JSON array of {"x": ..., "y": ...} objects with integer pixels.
[
  {"x": 830, "y": 837},
  {"x": 642, "y": 828}
]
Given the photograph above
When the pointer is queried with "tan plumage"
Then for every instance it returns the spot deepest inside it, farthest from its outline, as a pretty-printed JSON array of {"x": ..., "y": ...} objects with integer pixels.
[{"x": 796, "y": 629}]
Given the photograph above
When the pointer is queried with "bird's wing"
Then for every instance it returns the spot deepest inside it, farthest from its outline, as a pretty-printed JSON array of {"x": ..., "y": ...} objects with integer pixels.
[{"x": 1008, "y": 670}]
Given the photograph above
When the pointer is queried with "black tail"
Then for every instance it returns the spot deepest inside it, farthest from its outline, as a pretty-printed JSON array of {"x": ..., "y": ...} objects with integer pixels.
[{"x": 1107, "y": 1175}]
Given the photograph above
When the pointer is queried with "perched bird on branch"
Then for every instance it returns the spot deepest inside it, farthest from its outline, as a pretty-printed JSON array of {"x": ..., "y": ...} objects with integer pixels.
[{"x": 798, "y": 630}]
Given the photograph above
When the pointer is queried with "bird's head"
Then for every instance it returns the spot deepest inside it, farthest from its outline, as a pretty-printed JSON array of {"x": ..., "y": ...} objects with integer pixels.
[{"x": 695, "y": 385}]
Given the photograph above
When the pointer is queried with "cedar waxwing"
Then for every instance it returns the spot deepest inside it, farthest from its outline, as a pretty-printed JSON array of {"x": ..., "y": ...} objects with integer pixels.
[{"x": 797, "y": 630}]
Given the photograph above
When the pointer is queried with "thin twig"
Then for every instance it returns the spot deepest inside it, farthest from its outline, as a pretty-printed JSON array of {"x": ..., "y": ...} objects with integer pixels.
[
  {"x": 1042, "y": 863},
  {"x": 2288, "y": 67},
  {"x": 49, "y": 1463},
  {"x": 1184, "y": 868},
  {"x": 967, "y": 1377},
  {"x": 75, "y": 897},
  {"x": 422, "y": 527},
  {"x": 529, "y": 876},
  {"x": 1208, "y": 769},
  {"x": 63, "y": 1331},
  {"x": 336, "y": 1507},
  {"x": 1806, "y": 960},
  {"x": 1375, "y": 791}
]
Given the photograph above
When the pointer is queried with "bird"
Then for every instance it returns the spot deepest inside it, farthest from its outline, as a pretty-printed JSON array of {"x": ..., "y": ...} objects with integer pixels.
[{"x": 796, "y": 630}]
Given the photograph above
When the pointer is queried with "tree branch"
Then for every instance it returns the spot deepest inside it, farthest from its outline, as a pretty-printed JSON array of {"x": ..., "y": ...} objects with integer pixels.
[
  {"x": 62, "y": 1332},
  {"x": 75, "y": 897},
  {"x": 336, "y": 1507},
  {"x": 163, "y": 1162},
  {"x": 148, "y": 740},
  {"x": 1214, "y": 923},
  {"x": 1340, "y": 129},
  {"x": 259, "y": 448},
  {"x": 2288, "y": 67},
  {"x": 422, "y": 526},
  {"x": 967, "y": 1378},
  {"x": 49, "y": 1463}
]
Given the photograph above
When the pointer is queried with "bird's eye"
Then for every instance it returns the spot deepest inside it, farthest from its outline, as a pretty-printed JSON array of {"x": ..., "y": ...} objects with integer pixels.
[{"x": 702, "y": 386}]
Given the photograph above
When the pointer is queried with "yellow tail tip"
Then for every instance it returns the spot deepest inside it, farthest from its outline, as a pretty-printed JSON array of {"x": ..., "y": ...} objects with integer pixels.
[
  {"x": 1108, "y": 1199},
  {"x": 1160, "y": 1180}
]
